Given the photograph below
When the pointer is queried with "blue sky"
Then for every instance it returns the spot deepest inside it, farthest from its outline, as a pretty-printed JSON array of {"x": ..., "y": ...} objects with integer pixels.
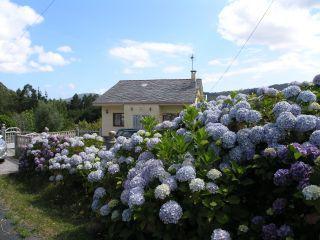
[{"x": 87, "y": 46}]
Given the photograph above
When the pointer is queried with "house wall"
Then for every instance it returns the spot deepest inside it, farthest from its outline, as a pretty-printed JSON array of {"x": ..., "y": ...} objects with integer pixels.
[
  {"x": 130, "y": 110},
  {"x": 169, "y": 109},
  {"x": 139, "y": 109},
  {"x": 107, "y": 118}
]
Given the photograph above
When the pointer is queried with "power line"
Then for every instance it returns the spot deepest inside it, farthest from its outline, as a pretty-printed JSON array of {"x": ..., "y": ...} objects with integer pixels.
[
  {"x": 243, "y": 46},
  {"x": 35, "y": 21}
]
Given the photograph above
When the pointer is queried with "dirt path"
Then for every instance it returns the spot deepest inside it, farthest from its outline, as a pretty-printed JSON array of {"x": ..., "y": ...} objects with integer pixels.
[{"x": 10, "y": 165}]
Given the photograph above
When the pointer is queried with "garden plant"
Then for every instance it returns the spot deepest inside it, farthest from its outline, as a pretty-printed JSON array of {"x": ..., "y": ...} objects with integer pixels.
[{"x": 238, "y": 167}]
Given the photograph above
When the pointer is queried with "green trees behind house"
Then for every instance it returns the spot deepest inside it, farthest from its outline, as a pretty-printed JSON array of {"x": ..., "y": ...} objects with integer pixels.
[{"x": 31, "y": 110}]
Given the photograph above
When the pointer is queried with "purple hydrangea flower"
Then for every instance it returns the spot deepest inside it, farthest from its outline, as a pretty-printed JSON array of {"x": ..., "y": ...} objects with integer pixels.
[
  {"x": 257, "y": 220},
  {"x": 269, "y": 232},
  {"x": 306, "y": 123},
  {"x": 279, "y": 205},
  {"x": 300, "y": 171},
  {"x": 282, "y": 177}
]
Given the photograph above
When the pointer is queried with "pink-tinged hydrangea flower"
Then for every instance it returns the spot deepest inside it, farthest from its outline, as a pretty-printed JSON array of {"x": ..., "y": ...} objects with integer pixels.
[{"x": 170, "y": 212}]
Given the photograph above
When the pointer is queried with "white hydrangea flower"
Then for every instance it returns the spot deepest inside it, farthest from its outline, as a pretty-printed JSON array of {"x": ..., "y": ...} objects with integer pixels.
[
  {"x": 162, "y": 191},
  {"x": 311, "y": 192},
  {"x": 214, "y": 174}
]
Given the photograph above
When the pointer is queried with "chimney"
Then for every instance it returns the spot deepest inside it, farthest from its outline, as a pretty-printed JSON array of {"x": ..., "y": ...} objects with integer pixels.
[{"x": 193, "y": 75}]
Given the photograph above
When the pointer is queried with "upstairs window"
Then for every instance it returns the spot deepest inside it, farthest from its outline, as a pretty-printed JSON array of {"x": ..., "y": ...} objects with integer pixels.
[{"x": 118, "y": 119}]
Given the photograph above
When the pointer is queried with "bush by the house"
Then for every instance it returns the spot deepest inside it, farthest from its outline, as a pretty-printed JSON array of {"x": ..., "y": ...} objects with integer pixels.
[{"x": 238, "y": 167}]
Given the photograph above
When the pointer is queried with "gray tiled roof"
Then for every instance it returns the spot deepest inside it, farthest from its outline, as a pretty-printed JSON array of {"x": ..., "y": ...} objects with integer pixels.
[{"x": 151, "y": 91}]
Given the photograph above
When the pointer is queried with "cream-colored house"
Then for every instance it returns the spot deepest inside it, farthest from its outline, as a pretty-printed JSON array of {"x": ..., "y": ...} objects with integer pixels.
[{"x": 128, "y": 101}]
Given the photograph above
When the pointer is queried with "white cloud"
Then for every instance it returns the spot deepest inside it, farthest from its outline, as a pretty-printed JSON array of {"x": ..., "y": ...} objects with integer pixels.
[
  {"x": 172, "y": 69},
  {"x": 289, "y": 25},
  {"x": 144, "y": 54},
  {"x": 50, "y": 58},
  {"x": 64, "y": 49},
  {"x": 17, "y": 54},
  {"x": 284, "y": 48}
]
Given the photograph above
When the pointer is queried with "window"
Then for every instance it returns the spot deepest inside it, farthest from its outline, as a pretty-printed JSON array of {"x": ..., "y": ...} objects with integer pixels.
[
  {"x": 118, "y": 119},
  {"x": 169, "y": 116}
]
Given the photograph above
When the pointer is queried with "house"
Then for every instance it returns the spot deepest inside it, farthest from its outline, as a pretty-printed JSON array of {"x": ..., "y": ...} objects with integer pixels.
[{"x": 128, "y": 101}]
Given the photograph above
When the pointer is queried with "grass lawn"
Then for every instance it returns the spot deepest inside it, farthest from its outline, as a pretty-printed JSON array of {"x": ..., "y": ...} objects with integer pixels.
[{"x": 36, "y": 209}]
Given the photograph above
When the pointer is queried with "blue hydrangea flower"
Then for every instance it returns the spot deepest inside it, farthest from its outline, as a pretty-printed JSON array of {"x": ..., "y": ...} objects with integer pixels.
[
  {"x": 196, "y": 185},
  {"x": 270, "y": 92},
  {"x": 316, "y": 80},
  {"x": 100, "y": 192},
  {"x": 185, "y": 173},
  {"x": 311, "y": 192},
  {"x": 257, "y": 220},
  {"x": 280, "y": 107},
  {"x": 236, "y": 154},
  {"x": 315, "y": 138},
  {"x": 226, "y": 119},
  {"x": 286, "y": 121},
  {"x": 295, "y": 109},
  {"x": 242, "y": 104},
  {"x": 216, "y": 130},
  {"x": 212, "y": 187},
  {"x": 170, "y": 212},
  {"x": 170, "y": 181},
  {"x": 95, "y": 176},
  {"x": 306, "y": 123},
  {"x": 253, "y": 116},
  {"x": 243, "y": 138},
  {"x": 220, "y": 234},
  {"x": 229, "y": 139},
  {"x": 113, "y": 168},
  {"x": 162, "y": 191},
  {"x": 126, "y": 215},
  {"x": 145, "y": 156},
  {"x": 105, "y": 210},
  {"x": 242, "y": 114},
  {"x": 136, "y": 197},
  {"x": 256, "y": 134},
  {"x": 307, "y": 97},
  {"x": 137, "y": 181},
  {"x": 212, "y": 116},
  {"x": 272, "y": 133},
  {"x": 291, "y": 91},
  {"x": 284, "y": 231}
]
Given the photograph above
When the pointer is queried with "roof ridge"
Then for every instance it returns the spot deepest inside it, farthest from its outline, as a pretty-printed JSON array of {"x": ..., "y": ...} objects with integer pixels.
[{"x": 156, "y": 79}]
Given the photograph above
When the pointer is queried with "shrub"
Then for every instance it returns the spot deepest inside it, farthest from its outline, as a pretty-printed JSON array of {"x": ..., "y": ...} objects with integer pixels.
[
  {"x": 201, "y": 177},
  {"x": 47, "y": 115}
]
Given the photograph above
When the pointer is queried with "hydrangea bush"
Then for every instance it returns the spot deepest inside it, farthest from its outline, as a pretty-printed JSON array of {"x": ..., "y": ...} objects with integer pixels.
[{"x": 238, "y": 167}]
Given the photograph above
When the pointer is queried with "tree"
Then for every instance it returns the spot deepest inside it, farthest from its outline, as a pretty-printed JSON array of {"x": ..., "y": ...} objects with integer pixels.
[
  {"x": 25, "y": 121},
  {"x": 47, "y": 115}
]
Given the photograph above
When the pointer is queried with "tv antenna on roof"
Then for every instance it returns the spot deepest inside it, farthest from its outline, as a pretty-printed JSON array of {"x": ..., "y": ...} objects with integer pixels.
[{"x": 192, "y": 59}]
